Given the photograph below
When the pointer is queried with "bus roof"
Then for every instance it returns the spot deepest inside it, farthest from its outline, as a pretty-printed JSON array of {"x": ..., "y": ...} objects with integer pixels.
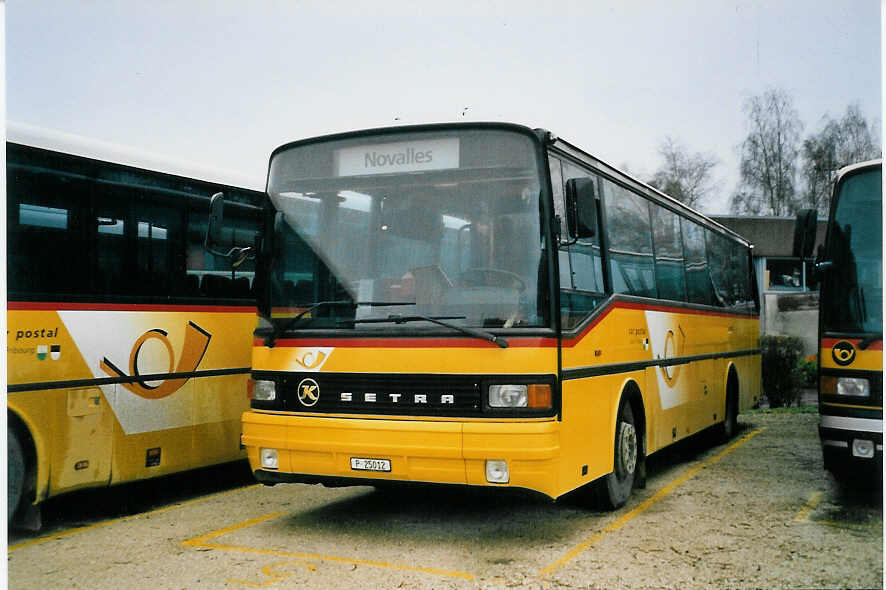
[
  {"x": 103, "y": 151},
  {"x": 856, "y": 167}
]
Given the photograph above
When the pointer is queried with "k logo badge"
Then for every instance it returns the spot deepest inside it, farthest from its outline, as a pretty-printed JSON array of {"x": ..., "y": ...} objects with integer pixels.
[{"x": 308, "y": 392}]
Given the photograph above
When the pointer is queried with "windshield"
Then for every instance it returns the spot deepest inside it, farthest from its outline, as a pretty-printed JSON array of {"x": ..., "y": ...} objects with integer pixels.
[
  {"x": 442, "y": 224},
  {"x": 852, "y": 294}
]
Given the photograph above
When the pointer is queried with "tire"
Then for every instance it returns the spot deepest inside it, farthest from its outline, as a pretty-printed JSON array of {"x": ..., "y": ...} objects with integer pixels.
[
  {"x": 729, "y": 428},
  {"x": 730, "y": 423},
  {"x": 614, "y": 489},
  {"x": 15, "y": 470}
]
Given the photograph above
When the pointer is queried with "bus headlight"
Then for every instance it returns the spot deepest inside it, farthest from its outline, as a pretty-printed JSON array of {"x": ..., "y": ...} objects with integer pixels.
[
  {"x": 264, "y": 390},
  {"x": 508, "y": 396},
  {"x": 536, "y": 396},
  {"x": 853, "y": 386}
]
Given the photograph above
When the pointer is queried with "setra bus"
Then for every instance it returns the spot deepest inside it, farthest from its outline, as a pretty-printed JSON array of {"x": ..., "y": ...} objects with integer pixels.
[
  {"x": 488, "y": 305},
  {"x": 128, "y": 346},
  {"x": 850, "y": 267}
]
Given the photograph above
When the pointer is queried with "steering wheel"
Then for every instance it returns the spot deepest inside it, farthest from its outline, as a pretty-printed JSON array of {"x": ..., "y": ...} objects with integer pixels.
[{"x": 492, "y": 277}]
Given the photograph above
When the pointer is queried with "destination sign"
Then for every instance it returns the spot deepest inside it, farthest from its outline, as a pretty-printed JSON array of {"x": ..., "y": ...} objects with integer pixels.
[{"x": 405, "y": 156}]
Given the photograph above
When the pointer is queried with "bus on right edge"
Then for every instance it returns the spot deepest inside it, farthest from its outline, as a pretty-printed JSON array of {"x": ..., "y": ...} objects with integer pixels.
[{"x": 851, "y": 325}]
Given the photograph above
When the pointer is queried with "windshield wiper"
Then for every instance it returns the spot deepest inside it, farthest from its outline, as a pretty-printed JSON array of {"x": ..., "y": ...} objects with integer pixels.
[
  {"x": 281, "y": 328},
  {"x": 439, "y": 320},
  {"x": 870, "y": 339}
]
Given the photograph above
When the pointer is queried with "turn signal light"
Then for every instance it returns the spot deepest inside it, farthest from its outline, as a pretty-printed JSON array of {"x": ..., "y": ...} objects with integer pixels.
[{"x": 540, "y": 396}]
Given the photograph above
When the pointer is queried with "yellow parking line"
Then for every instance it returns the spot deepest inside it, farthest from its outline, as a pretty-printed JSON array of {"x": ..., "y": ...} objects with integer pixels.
[
  {"x": 203, "y": 543},
  {"x": 644, "y": 506},
  {"x": 811, "y": 505},
  {"x": 814, "y": 500},
  {"x": 69, "y": 532}
]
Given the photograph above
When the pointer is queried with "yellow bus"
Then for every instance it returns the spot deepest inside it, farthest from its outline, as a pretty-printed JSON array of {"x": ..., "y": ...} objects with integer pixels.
[
  {"x": 128, "y": 346},
  {"x": 488, "y": 305},
  {"x": 851, "y": 325}
]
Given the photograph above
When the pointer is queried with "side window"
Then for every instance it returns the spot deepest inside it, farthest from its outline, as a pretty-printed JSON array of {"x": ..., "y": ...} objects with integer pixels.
[
  {"x": 722, "y": 270},
  {"x": 112, "y": 231},
  {"x": 46, "y": 210},
  {"x": 744, "y": 295},
  {"x": 558, "y": 192},
  {"x": 669, "y": 267},
  {"x": 698, "y": 279},
  {"x": 210, "y": 276},
  {"x": 560, "y": 211},
  {"x": 587, "y": 265},
  {"x": 630, "y": 241},
  {"x": 159, "y": 246},
  {"x": 581, "y": 269}
]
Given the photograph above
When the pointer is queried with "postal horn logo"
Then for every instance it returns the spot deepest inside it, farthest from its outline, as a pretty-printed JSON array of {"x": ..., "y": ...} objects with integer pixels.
[
  {"x": 308, "y": 392},
  {"x": 674, "y": 345},
  {"x": 195, "y": 345},
  {"x": 843, "y": 353},
  {"x": 312, "y": 358}
]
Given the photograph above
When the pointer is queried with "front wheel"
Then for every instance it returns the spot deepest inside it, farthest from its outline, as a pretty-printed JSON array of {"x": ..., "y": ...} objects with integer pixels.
[
  {"x": 15, "y": 480},
  {"x": 614, "y": 489}
]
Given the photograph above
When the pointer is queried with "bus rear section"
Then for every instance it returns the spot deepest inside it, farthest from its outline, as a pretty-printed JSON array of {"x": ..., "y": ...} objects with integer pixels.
[{"x": 851, "y": 325}]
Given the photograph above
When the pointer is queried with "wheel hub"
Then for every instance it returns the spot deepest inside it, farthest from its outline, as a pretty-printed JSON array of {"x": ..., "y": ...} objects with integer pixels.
[{"x": 627, "y": 436}]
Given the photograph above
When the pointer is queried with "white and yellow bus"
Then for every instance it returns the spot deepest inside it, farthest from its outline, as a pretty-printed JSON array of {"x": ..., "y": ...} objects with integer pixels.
[
  {"x": 128, "y": 346},
  {"x": 488, "y": 305}
]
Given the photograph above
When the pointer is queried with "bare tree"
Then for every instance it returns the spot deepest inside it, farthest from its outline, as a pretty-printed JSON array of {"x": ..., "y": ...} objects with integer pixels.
[
  {"x": 839, "y": 143},
  {"x": 684, "y": 176},
  {"x": 769, "y": 156}
]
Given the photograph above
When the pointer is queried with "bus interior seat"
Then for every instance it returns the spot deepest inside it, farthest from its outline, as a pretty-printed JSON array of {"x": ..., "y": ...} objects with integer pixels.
[{"x": 216, "y": 286}]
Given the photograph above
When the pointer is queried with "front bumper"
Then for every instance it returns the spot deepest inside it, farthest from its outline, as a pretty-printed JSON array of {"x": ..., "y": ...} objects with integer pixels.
[
  {"x": 318, "y": 449},
  {"x": 838, "y": 441}
]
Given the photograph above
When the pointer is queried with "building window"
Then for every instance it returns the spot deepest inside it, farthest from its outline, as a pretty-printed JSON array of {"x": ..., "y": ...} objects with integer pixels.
[{"x": 789, "y": 274}]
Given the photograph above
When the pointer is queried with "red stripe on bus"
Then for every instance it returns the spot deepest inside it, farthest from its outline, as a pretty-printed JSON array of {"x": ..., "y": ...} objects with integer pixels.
[
  {"x": 830, "y": 342},
  {"x": 56, "y": 306},
  {"x": 571, "y": 342},
  {"x": 514, "y": 342}
]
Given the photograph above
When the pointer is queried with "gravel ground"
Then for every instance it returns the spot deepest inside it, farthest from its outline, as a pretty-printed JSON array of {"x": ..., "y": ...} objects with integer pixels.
[{"x": 758, "y": 512}]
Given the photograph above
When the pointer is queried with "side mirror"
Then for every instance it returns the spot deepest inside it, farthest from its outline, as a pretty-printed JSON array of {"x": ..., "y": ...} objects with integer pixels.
[
  {"x": 236, "y": 255},
  {"x": 804, "y": 233},
  {"x": 581, "y": 208},
  {"x": 216, "y": 220},
  {"x": 821, "y": 265}
]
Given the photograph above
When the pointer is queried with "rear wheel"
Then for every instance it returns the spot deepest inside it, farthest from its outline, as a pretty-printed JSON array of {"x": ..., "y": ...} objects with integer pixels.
[
  {"x": 15, "y": 481},
  {"x": 615, "y": 489}
]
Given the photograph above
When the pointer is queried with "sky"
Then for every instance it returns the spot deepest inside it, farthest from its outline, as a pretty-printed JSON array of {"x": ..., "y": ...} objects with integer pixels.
[{"x": 223, "y": 83}]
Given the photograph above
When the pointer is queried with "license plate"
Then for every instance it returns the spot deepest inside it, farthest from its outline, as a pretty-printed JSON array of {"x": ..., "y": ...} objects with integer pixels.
[{"x": 358, "y": 464}]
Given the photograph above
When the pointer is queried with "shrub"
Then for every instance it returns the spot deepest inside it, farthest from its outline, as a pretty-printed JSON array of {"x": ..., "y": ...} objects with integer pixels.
[
  {"x": 808, "y": 368},
  {"x": 781, "y": 374}
]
